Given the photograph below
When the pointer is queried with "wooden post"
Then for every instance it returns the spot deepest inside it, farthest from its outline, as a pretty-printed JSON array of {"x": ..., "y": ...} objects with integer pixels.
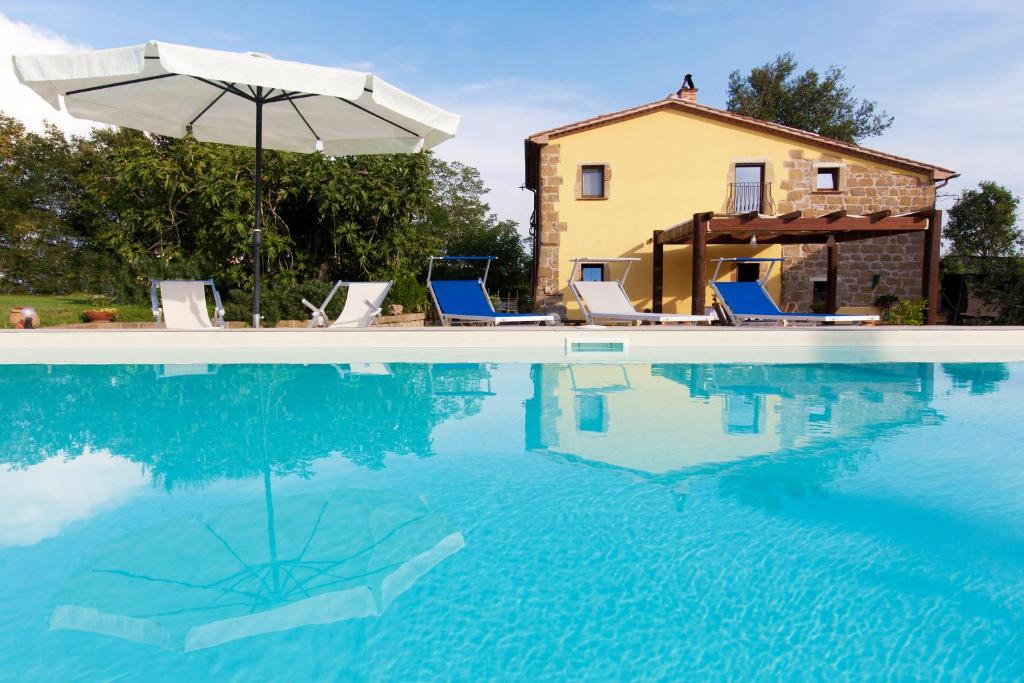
[
  {"x": 832, "y": 292},
  {"x": 699, "y": 270},
  {"x": 658, "y": 286},
  {"x": 930, "y": 278}
]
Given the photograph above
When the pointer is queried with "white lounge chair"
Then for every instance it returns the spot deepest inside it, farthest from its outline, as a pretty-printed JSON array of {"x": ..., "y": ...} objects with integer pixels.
[
  {"x": 362, "y": 305},
  {"x": 181, "y": 305},
  {"x": 606, "y": 300}
]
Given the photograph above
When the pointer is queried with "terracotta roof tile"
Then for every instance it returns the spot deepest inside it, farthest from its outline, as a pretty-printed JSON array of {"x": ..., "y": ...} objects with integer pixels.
[{"x": 937, "y": 172}]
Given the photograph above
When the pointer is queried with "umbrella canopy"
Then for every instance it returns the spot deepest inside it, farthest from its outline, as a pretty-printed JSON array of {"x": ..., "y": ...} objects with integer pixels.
[
  {"x": 238, "y": 99},
  {"x": 243, "y": 571}
]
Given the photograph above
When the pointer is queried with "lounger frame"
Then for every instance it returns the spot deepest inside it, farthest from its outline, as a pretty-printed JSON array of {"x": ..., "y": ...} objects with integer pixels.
[
  {"x": 154, "y": 301},
  {"x": 319, "y": 317},
  {"x": 497, "y": 319},
  {"x": 638, "y": 317},
  {"x": 735, "y": 319}
]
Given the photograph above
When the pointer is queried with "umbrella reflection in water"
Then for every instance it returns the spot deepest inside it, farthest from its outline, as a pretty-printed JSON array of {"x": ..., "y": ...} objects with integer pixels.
[
  {"x": 250, "y": 569},
  {"x": 207, "y": 580}
]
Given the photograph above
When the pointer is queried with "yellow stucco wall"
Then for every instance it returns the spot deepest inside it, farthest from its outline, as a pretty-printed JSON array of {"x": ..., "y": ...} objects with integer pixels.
[
  {"x": 635, "y": 398},
  {"x": 665, "y": 166}
]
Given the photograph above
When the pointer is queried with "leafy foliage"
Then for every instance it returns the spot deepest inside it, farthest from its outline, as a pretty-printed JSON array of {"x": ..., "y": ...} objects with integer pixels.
[
  {"x": 106, "y": 212},
  {"x": 466, "y": 226},
  {"x": 818, "y": 103},
  {"x": 986, "y": 242},
  {"x": 983, "y": 224},
  {"x": 907, "y": 312},
  {"x": 188, "y": 430},
  {"x": 40, "y": 250}
]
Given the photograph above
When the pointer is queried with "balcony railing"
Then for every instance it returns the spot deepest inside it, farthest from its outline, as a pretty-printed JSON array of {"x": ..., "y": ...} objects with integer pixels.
[{"x": 747, "y": 197}]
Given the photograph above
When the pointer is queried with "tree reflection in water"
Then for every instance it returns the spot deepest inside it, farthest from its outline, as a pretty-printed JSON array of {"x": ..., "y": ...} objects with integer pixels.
[{"x": 234, "y": 421}]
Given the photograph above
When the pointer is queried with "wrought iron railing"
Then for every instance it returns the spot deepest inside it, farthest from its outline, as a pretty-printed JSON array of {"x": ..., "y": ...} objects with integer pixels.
[{"x": 747, "y": 197}]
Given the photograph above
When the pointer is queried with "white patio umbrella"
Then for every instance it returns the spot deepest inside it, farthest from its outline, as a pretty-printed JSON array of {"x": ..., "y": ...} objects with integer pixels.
[{"x": 238, "y": 99}]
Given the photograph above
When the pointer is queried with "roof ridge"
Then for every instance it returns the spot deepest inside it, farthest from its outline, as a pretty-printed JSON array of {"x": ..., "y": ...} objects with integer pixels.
[{"x": 742, "y": 119}]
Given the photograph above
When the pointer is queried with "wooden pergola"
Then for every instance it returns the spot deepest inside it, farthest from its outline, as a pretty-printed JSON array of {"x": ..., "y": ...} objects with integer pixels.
[{"x": 794, "y": 228}]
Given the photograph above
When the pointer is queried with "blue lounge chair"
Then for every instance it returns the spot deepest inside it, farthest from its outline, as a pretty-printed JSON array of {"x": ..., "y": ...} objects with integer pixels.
[
  {"x": 750, "y": 302},
  {"x": 467, "y": 300}
]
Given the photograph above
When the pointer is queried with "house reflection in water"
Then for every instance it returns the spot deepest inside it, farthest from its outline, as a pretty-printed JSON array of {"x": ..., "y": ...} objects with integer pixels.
[{"x": 660, "y": 419}]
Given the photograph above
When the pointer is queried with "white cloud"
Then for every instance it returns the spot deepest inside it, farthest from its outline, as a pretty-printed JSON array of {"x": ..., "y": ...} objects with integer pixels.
[
  {"x": 37, "y": 502},
  {"x": 497, "y": 116},
  {"x": 17, "y": 100},
  {"x": 969, "y": 127}
]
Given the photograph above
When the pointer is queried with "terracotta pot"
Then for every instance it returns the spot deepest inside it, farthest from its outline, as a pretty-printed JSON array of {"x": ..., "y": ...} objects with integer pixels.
[
  {"x": 100, "y": 316},
  {"x": 17, "y": 317}
]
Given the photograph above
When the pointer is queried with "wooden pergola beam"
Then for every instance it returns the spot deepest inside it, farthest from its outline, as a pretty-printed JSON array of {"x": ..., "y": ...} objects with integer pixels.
[
  {"x": 700, "y": 260},
  {"x": 792, "y": 228},
  {"x": 832, "y": 276},
  {"x": 658, "y": 286},
  {"x": 821, "y": 223},
  {"x": 765, "y": 238},
  {"x": 930, "y": 276},
  {"x": 683, "y": 234},
  {"x": 679, "y": 234}
]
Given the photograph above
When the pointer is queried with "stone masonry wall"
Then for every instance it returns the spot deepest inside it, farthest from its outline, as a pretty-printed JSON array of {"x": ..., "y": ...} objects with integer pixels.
[
  {"x": 897, "y": 260},
  {"x": 547, "y": 297}
]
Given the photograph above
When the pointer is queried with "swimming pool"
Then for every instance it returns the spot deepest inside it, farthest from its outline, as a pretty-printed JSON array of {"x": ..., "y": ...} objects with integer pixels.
[{"x": 597, "y": 521}]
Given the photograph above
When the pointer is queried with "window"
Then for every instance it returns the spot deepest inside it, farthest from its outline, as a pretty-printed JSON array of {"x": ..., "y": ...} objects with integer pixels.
[
  {"x": 827, "y": 180},
  {"x": 592, "y": 272},
  {"x": 743, "y": 413},
  {"x": 593, "y": 182},
  {"x": 748, "y": 188},
  {"x": 591, "y": 413},
  {"x": 748, "y": 272}
]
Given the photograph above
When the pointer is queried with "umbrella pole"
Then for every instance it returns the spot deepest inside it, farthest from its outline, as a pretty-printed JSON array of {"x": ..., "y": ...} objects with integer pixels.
[{"x": 257, "y": 233}]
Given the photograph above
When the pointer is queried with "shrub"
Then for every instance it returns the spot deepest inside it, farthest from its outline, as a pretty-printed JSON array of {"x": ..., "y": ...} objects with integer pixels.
[
  {"x": 281, "y": 301},
  {"x": 908, "y": 312},
  {"x": 410, "y": 293}
]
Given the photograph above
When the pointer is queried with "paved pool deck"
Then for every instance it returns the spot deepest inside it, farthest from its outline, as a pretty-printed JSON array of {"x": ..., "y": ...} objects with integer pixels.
[{"x": 516, "y": 344}]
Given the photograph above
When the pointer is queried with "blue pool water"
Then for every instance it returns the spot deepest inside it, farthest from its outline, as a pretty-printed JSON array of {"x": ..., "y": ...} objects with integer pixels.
[{"x": 513, "y": 522}]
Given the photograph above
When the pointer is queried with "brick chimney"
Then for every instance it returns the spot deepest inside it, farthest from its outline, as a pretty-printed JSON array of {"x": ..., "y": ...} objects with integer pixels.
[{"x": 687, "y": 91}]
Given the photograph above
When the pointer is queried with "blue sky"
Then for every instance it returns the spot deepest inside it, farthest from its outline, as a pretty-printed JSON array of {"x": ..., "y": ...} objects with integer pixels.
[{"x": 952, "y": 73}]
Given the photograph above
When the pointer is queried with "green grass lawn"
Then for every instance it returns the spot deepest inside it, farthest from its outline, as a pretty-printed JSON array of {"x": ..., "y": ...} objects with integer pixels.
[{"x": 67, "y": 308}]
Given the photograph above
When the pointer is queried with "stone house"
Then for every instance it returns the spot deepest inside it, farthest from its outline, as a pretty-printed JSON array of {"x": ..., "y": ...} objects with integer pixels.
[{"x": 603, "y": 185}]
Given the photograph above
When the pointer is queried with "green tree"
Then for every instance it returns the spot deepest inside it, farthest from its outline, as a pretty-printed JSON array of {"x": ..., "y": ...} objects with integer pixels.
[
  {"x": 107, "y": 211},
  {"x": 818, "y": 103},
  {"x": 465, "y": 225},
  {"x": 40, "y": 249},
  {"x": 985, "y": 246},
  {"x": 983, "y": 224},
  {"x": 171, "y": 207}
]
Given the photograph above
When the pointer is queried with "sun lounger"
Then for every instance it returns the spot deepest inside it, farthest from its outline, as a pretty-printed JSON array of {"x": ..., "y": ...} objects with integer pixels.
[
  {"x": 607, "y": 301},
  {"x": 467, "y": 301},
  {"x": 750, "y": 302},
  {"x": 181, "y": 305},
  {"x": 362, "y": 305}
]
